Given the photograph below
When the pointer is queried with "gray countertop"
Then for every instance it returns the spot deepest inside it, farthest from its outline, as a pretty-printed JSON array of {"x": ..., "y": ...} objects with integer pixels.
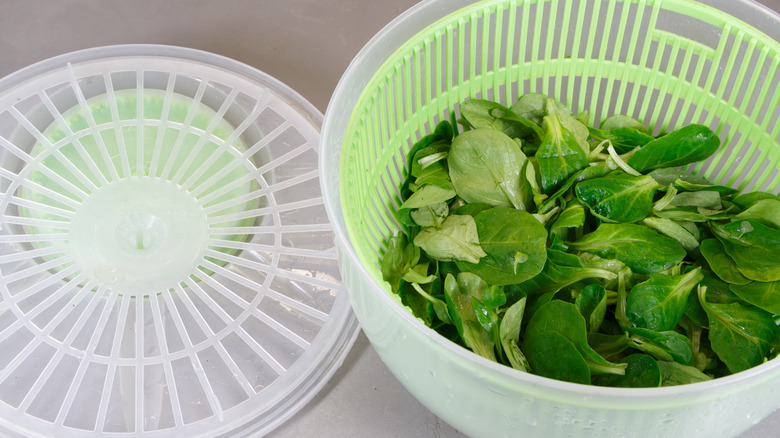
[{"x": 306, "y": 44}]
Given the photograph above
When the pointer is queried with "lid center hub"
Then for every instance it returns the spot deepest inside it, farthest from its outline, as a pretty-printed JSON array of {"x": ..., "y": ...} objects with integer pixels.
[
  {"x": 141, "y": 231},
  {"x": 139, "y": 235}
]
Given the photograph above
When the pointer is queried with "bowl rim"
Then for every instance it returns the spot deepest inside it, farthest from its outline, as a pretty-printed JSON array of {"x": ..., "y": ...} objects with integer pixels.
[{"x": 338, "y": 112}]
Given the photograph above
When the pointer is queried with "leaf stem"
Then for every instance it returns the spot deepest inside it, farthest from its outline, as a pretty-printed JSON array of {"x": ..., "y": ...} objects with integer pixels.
[
  {"x": 619, "y": 161},
  {"x": 432, "y": 158},
  {"x": 664, "y": 202}
]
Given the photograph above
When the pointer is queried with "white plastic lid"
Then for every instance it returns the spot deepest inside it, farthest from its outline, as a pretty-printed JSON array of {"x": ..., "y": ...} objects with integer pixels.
[{"x": 167, "y": 267}]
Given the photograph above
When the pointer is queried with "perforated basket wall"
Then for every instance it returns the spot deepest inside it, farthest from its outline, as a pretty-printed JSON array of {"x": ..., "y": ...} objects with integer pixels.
[{"x": 665, "y": 62}]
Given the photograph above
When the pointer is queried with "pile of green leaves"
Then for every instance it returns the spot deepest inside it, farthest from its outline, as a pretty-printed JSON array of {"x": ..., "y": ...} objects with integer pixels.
[{"x": 585, "y": 254}]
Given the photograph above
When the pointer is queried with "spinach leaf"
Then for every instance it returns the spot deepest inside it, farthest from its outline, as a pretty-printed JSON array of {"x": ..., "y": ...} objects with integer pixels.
[
  {"x": 458, "y": 303},
  {"x": 581, "y": 175},
  {"x": 682, "y": 146},
  {"x": 753, "y": 246},
  {"x": 667, "y": 176},
  {"x": 774, "y": 346},
  {"x": 457, "y": 239},
  {"x": 533, "y": 179},
  {"x": 552, "y": 355},
  {"x": 693, "y": 310},
  {"x": 690, "y": 186},
  {"x": 643, "y": 250},
  {"x": 623, "y": 139},
  {"x": 514, "y": 245},
  {"x": 488, "y": 114},
  {"x": 693, "y": 228},
  {"x": 428, "y": 195},
  {"x": 439, "y": 307},
  {"x": 573, "y": 216},
  {"x": 487, "y": 318},
  {"x": 738, "y": 334},
  {"x": 560, "y": 271},
  {"x": 701, "y": 198},
  {"x": 536, "y": 106},
  {"x": 718, "y": 292},
  {"x": 765, "y": 295},
  {"x": 442, "y": 133},
  {"x": 472, "y": 209},
  {"x": 564, "y": 318},
  {"x": 587, "y": 260},
  {"x": 674, "y": 230},
  {"x": 746, "y": 200},
  {"x": 509, "y": 333},
  {"x": 559, "y": 154},
  {"x": 459, "y": 296},
  {"x": 435, "y": 175},
  {"x": 608, "y": 345},
  {"x": 399, "y": 257},
  {"x": 621, "y": 121},
  {"x": 418, "y": 274},
  {"x": 416, "y": 302},
  {"x": 532, "y": 107},
  {"x": 486, "y": 167},
  {"x": 765, "y": 211},
  {"x": 493, "y": 297},
  {"x": 478, "y": 340},
  {"x": 430, "y": 159},
  {"x": 721, "y": 263},
  {"x": 621, "y": 299},
  {"x": 659, "y": 303},
  {"x": 673, "y": 374},
  {"x": 691, "y": 214},
  {"x": 618, "y": 197},
  {"x": 642, "y": 371},
  {"x": 556, "y": 241},
  {"x": 664, "y": 345},
  {"x": 592, "y": 305},
  {"x": 571, "y": 123},
  {"x": 431, "y": 215}
]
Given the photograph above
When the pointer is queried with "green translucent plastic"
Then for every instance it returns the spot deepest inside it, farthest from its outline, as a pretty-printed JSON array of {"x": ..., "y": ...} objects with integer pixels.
[{"x": 604, "y": 57}]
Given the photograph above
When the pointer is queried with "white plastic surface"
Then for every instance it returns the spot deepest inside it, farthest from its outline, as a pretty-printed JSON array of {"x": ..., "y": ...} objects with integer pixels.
[{"x": 166, "y": 263}]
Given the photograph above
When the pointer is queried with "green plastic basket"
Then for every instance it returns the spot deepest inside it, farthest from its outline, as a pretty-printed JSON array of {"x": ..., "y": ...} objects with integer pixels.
[{"x": 665, "y": 62}]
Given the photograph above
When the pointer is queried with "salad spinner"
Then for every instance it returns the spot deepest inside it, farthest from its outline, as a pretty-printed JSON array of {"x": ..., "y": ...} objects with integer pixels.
[{"x": 667, "y": 63}]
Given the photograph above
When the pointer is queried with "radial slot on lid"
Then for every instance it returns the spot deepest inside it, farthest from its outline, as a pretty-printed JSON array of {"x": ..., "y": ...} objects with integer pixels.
[{"x": 167, "y": 265}]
